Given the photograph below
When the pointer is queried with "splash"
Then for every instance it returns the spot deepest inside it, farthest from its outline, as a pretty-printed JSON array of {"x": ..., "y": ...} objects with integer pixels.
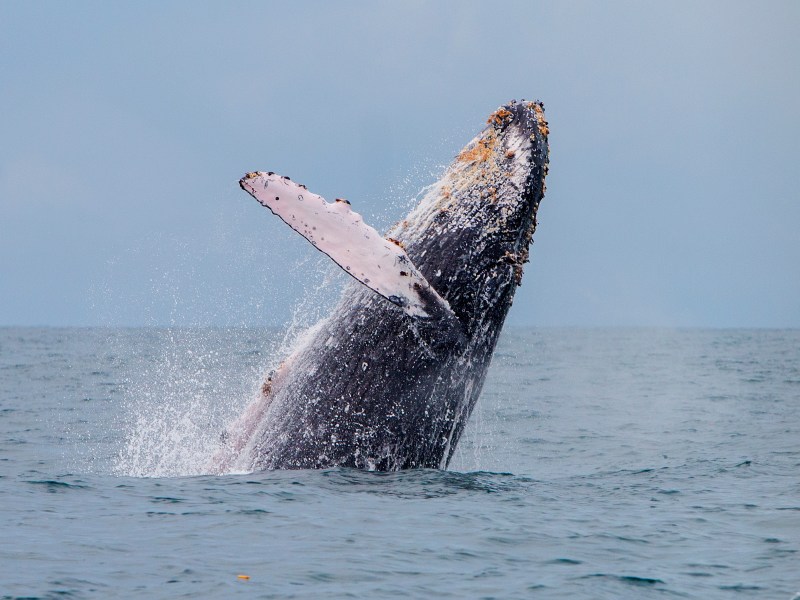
[
  {"x": 188, "y": 384},
  {"x": 179, "y": 392}
]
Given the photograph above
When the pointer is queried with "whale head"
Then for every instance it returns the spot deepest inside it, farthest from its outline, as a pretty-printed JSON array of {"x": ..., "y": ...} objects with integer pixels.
[{"x": 471, "y": 232}]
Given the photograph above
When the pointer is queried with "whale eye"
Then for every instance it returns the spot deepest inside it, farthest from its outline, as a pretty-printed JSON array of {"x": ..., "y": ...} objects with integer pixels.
[{"x": 300, "y": 197}]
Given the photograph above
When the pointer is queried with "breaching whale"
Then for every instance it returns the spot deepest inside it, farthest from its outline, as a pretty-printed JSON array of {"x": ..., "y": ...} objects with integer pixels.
[{"x": 388, "y": 379}]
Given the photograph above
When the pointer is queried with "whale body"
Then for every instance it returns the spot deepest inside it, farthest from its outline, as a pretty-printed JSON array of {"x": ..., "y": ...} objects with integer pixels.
[{"x": 389, "y": 378}]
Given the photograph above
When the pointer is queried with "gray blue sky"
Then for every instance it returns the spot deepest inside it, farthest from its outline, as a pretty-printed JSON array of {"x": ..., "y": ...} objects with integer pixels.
[{"x": 124, "y": 127}]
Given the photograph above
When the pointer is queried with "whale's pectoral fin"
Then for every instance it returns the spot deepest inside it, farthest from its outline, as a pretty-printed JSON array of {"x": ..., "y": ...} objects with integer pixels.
[{"x": 336, "y": 230}]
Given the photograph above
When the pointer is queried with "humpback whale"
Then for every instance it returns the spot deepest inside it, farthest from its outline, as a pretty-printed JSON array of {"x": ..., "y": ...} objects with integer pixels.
[{"x": 388, "y": 379}]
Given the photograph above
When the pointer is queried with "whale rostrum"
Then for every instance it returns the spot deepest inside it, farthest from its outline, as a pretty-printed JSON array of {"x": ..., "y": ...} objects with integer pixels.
[{"x": 389, "y": 378}]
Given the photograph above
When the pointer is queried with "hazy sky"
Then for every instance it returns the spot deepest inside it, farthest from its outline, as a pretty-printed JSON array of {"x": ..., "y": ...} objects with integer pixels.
[{"x": 672, "y": 198}]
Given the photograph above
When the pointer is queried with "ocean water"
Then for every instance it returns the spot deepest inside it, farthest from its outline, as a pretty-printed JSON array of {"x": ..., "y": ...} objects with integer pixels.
[{"x": 618, "y": 463}]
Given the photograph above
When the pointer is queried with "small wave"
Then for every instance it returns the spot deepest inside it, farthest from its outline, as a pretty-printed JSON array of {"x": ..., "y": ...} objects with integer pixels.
[
  {"x": 564, "y": 561},
  {"x": 627, "y": 579},
  {"x": 739, "y": 587},
  {"x": 54, "y": 486},
  {"x": 166, "y": 500}
]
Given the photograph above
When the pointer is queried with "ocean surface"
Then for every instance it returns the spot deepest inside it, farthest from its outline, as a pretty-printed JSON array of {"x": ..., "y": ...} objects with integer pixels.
[{"x": 618, "y": 463}]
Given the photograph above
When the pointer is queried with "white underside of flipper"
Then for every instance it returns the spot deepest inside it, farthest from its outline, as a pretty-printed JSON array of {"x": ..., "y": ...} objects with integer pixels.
[{"x": 334, "y": 229}]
